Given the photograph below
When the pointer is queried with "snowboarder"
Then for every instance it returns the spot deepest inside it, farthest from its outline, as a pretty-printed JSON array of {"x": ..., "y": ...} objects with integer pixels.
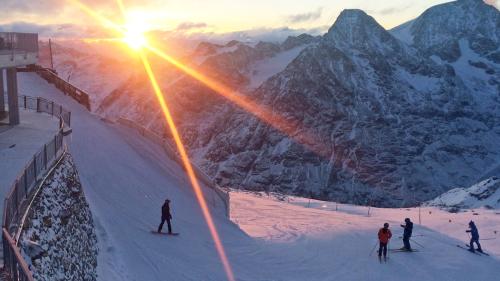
[
  {"x": 474, "y": 237},
  {"x": 408, "y": 228},
  {"x": 165, "y": 216},
  {"x": 384, "y": 234}
]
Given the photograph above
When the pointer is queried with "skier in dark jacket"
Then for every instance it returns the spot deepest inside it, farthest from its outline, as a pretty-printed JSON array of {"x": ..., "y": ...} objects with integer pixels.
[
  {"x": 474, "y": 237},
  {"x": 165, "y": 216},
  {"x": 408, "y": 228}
]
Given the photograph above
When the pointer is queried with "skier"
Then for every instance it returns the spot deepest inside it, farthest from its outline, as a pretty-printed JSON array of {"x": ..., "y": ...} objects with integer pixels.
[
  {"x": 474, "y": 237},
  {"x": 384, "y": 234},
  {"x": 408, "y": 228},
  {"x": 165, "y": 216}
]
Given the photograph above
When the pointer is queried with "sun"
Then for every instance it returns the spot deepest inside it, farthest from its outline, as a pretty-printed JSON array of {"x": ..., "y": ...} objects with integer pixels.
[{"x": 134, "y": 34}]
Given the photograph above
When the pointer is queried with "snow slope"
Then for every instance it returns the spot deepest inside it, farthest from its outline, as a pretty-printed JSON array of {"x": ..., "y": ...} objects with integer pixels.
[
  {"x": 333, "y": 241},
  {"x": 483, "y": 194},
  {"x": 126, "y": 178}
]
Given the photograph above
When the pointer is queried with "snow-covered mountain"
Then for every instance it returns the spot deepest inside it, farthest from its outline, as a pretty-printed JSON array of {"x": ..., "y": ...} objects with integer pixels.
[
  {"x": 483, "y": 194},
  {"x": 240, "y": 66},
  {"x": 439, "y": 30},
  {"x": 399, "y": 127},
  {"x": 396, "y": 117}
]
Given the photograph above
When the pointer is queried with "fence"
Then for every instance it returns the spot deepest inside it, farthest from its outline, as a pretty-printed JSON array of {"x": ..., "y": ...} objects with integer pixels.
[
  {"x": 173, "y": 154},
  {"x": 68, "y": 89},
  {"x": 16, "y": 42},
  {"x": 43, "y": 105},
  {"x": 17, "y": 201}
]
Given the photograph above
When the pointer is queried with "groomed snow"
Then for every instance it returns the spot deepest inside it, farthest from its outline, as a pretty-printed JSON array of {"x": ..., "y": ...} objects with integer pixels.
[{"x": 126, "y": 178}]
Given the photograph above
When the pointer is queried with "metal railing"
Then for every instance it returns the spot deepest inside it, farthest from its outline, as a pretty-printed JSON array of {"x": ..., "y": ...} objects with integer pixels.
[
  {"x": 173, "y": 154},
  {"x": 43, "y": 105},
  {"x": 67, "y": 88},
  {"x": 17, "y": 201},
  {"x": 13, "y": 43}
]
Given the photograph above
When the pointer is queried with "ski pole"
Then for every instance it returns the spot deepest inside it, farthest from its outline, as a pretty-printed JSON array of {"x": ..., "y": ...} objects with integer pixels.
[
  {"x": 418, "y": 235},
  {"x": 417, "y": 243},
  {"x": 374, "y": 246}
]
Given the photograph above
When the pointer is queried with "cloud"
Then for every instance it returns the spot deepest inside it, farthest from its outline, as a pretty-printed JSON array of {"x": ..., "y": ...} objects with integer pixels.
[
  {"x": 390, "y": 10},
  {"x": 252, "y": 35},
  {"x": 185, "y": 26},
  {"x": 69, "y": 31},
  {"x": 305, "y": 17}
]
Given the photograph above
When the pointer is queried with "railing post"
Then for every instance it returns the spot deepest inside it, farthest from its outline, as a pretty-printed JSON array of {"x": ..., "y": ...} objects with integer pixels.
[
  {"x": 25, "y": 105},
  {"x": 55, "y": 146},
  {"x": 52, "y": 110},
  {"x": 25, "y": 182},
  {"x": 34, "y": 166},
  {"x": 37, "y": 104},
  {"x": 45, "y": 156}
]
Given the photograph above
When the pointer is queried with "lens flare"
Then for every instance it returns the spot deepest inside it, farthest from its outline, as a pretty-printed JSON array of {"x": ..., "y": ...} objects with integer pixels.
[
  {"x": 189, "y": 168},
  {"x": 134, "y": 36},
  {"x": 298, "y": 133}
]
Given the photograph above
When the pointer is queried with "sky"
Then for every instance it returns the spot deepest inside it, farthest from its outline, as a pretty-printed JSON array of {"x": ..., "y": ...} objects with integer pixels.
[{"x": 61, "y": 18}]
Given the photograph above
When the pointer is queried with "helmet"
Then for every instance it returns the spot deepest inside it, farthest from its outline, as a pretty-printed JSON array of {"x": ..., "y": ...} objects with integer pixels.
[
  {"x": 407, "y": 220},
  {"x": 167, "y": 200},
  {"x": 386, "y": 225},
  {"x": 471, "y": 223}
]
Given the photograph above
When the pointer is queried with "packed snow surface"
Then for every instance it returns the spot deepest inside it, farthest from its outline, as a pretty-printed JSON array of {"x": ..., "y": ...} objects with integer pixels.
[
  {"x": 126, "y": 178},
  {"x": 19, "y": 144}
]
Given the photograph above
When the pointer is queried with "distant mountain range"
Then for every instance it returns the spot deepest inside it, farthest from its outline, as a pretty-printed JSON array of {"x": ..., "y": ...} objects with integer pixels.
[{"x": 394, "y": 117}]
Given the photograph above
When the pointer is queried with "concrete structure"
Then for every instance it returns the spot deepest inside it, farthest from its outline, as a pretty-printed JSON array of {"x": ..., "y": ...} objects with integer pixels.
[{"x": 16, "y": 49}]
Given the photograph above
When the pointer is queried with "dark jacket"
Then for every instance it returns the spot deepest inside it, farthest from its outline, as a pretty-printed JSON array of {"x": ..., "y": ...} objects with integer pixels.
[
  {"x": 165, "y": 211},
  {"x": 408, "y": 229},
  {"x": 473, "y": 231}
]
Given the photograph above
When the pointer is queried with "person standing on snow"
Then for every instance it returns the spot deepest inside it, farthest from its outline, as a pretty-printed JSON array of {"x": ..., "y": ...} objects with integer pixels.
[
  {"x": 474, "y": 237},
  {"x": 165, "y": 216},
  {"x": 384, "y": 234},
  {"x": 408, "y": 229}
]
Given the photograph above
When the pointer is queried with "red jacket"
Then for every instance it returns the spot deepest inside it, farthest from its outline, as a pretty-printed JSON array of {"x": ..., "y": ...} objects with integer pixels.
[{"x": 384, "y": 236}]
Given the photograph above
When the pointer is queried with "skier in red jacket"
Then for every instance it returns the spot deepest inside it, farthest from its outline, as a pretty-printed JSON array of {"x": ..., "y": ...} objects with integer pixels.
[{"x": 384, "y": 234}]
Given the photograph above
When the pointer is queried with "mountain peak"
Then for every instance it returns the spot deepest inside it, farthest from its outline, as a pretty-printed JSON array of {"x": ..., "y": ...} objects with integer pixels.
[{"x": 355, "y": 28}]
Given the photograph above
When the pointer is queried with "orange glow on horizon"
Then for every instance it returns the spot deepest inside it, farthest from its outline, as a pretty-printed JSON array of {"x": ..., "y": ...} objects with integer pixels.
[
  {"x": 189, "y": 168},
  {"x": 304, "y": 138}
]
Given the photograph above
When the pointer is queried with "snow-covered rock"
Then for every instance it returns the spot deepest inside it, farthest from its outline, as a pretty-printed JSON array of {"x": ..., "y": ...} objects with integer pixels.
[
  {"x": 59, "y": 240},
  {"x": 388, "y": 118},
  {"x": 483, "y": 194}
]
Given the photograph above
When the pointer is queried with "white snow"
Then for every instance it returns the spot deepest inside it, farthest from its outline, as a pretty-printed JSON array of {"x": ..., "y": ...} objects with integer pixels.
[
  {"x": 403, "y": 32},
  {"x": 126, "y": 178},
  {"x": 330, "y": 241},
  {"x": 482, "y": 194},
  {"x": 264, "y": 69},
  {"x": 476, "y": 78}
]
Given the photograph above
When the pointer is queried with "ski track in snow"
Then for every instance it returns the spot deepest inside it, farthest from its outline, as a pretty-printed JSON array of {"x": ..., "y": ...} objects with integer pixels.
[{"x": 126, "y": 178}]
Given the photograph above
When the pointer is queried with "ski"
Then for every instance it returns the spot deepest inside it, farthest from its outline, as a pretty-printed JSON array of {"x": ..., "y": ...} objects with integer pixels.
[
  {"x": 467, "y": 249},
  {"x": 164, "y": 233},
  {"x": 402, "y": 251},
  {"x": 384, "y": 260},
  {"x": 467, "y": 246}
]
